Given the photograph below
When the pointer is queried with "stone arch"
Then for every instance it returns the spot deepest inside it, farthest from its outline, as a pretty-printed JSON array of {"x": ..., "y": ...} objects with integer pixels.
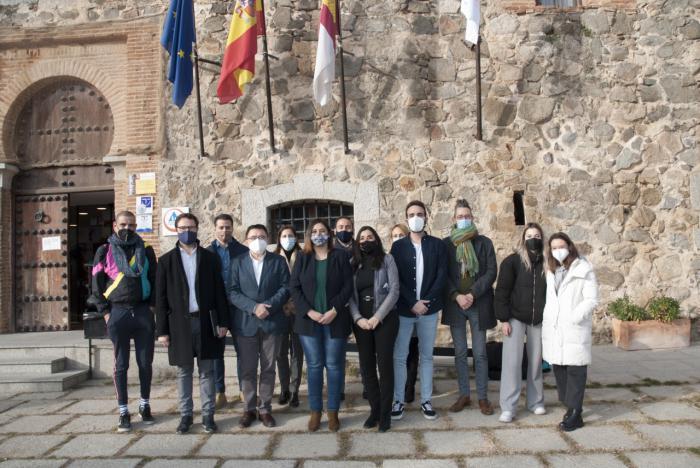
[
  {"x": 364, "y": 196},
  {"x": 34, "y": 78}
]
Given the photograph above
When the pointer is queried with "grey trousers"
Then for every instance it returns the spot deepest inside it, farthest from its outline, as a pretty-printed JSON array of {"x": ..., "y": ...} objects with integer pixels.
[
  {"x": 511, "y": 367},
  {"x": 571, "y": 384},
  {"x": 290, "y": 362},
  {"x": 207, "y": 387},
  {"x": 261, "y": 348},
  {"x": 459, "y": 338}
]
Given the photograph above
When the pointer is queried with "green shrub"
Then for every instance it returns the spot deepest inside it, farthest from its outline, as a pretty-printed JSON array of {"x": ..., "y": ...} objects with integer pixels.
[
  {"x": 625, "y": 310},
  {"x": 664, "y": 309}
]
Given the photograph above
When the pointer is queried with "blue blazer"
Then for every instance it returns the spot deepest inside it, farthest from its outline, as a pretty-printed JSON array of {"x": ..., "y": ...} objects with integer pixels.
[
  {"x": 434, "y": 273},
  {"x": 244, "y": 293}
]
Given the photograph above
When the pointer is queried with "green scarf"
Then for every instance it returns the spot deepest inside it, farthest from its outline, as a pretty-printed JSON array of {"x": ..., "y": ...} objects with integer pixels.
[{"x": 466, "y": 256}]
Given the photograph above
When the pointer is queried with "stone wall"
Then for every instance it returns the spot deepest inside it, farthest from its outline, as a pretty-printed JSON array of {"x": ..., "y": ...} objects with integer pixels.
[{"x": 592, "y": 113}]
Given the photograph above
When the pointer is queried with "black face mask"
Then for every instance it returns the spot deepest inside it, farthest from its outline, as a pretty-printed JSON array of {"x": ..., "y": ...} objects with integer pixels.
[
  {"x": 534, "y": 245},
  {"x": 344, "y": 236},
  {"x": 125, "y": 235},
  {"x": 368, "y": 247}
]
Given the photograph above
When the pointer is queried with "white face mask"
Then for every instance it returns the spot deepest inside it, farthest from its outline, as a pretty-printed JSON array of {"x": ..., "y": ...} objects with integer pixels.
[
  {"x": 288, "y": 243},
  {"x": 416, "y": 224},
  {"x": 258, "y": 246},
  {"x": 464, "y": 223},
  {"x": 560, "y": 254}
]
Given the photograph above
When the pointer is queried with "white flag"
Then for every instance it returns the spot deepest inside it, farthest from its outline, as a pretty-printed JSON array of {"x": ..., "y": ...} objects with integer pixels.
[
  {"x": 324, "y": 72},
  {"x": 471, "y": 11}
]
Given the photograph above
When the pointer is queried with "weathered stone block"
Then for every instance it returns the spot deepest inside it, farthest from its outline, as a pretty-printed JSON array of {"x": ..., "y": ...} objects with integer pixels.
[
  {"x": 536, "y": 110},
  {"x": 499, "y": 113},
  {"x": 668, "y": 267}
]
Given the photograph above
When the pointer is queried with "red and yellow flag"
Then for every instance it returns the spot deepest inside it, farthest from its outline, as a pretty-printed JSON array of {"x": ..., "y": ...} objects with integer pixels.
[{"x": 238, "y": 67}]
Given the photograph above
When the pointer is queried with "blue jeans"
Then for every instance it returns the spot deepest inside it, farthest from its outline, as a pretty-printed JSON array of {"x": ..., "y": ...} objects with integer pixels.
[
  {"x": 459, "y": 338},
  {"x": 426, "y": 328},
  {"x": 321, "y": 350}
]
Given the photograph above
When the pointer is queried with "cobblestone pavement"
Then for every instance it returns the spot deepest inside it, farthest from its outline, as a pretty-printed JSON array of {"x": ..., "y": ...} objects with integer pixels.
[{"x": 636, "y": 421}]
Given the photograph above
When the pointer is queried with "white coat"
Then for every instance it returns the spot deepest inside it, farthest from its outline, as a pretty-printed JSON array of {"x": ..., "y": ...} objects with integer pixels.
[{"x": 568, "y": 316}]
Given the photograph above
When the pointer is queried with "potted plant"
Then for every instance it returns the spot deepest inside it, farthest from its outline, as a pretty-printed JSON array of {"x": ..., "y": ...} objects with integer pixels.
[{"x": 658, "y": 326}]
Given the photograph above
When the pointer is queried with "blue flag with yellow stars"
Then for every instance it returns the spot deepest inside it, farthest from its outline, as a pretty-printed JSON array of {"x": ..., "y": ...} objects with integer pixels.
[{"x": 178, "y": 39}]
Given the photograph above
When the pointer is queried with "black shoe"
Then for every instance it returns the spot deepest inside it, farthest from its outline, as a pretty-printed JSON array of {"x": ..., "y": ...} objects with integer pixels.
[
  {"x": 566, "y": 416},
  {"x": 185, "y": 424},
  {"x": 410, "y": 395},
  {"x": 124, "y": 423},
  {"x": 342, "y": 396},
  {"x": 294, "y": 400},
  {"x": 284, "y": 398},
  {"x": 145, "y": 412},
  {"x": 370, "y": 422},
  {"x": 573, "y": 422},
  {"x": 384, "y": 425},
  {"x": 209, "y": 424}
]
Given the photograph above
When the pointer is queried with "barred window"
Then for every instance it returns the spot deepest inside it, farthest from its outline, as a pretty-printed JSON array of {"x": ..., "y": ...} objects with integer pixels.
[{"x": 299, "y": 214}]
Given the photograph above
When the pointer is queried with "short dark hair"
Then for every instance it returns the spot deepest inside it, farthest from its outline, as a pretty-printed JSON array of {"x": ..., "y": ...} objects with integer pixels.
[
  {"x": 130, "y": 214},
  {"x": 416, "y": 203},
  {"x": 462, "y": 203},
  {"x": 224, "y": 217},
  {"x": 182, "y": 216},
  {"x": 256, "y": 226},
  {"x": 345, "y": 217}
]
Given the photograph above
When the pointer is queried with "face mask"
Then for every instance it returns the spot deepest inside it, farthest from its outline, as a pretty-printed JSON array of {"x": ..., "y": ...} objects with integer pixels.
[
  {"x": 395, "y": 238},
  {"x": 344, "y": 236},
  {"x": 187, "y": 237},
  {"x": 288, "y": 243},
  {"x": 368, "y": 246},
  {"x": 258, "y": 246},
  {"x": 464, "y": 223},
  {"x": 534, "y": 245},
  {"x": 560, "y": 254},
  {"x": 319, "y": 240},
  {"x": 416, "y": 224},
  {"x": 125, "y": 234}
]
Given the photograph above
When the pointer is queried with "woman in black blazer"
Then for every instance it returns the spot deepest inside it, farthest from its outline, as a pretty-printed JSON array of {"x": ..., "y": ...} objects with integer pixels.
[{"x": 321, "y": 286}]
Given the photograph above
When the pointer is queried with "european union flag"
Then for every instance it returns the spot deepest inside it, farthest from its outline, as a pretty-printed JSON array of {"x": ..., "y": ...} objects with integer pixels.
[{"x": 178, "y": 39}]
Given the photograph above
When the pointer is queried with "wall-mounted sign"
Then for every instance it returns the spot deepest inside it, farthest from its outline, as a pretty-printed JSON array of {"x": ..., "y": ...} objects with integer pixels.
[
  {"x": 51, "y": 243},
  {"x": 145, "y": 183},
  {"x": 168, "y": 219}
]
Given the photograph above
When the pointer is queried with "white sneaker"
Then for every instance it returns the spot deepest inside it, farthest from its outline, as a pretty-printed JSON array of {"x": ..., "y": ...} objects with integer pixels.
[
  {"x": 539, "y": 410},
  {"x": 506, "y": 417}
]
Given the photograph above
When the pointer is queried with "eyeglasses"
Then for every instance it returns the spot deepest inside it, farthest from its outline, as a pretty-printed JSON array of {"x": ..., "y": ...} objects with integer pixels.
[
  {"x": 186, "y": 228},
  {"x": 252, "y": 238}
]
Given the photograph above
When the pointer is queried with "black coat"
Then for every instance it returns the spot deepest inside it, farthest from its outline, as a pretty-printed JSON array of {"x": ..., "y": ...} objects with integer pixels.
[
  {"x": 172, "y": 305},
  {"x": 339, "y": 281},
  {"x": 482, "y": 288},
  {"x": 520, "y": 293}
]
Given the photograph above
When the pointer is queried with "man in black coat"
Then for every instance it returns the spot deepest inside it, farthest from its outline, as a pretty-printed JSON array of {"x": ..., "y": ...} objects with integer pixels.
[{"x": 192, "y": 318}]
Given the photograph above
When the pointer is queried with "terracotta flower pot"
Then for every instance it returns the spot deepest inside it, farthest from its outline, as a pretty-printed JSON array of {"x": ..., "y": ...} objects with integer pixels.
[{"x": 651, "y": 334}]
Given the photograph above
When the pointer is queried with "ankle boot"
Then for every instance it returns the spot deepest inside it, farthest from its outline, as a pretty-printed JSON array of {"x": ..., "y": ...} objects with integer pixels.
[
  {"x": 565, "y": 417},
  {"x": 314, "y": 421},
  {"x": 573, "y": 422},
  {"x": 333, "y": 422}
]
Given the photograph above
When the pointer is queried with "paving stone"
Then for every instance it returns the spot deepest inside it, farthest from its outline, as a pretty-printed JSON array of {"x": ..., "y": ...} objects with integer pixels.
[
  {"x": 92, "y": 407},
  {"x": 29, "y": 446},
  {"x": 338, "y": 464},
  {"x": 386, "y": 445},
  {"x": 668, "y": 411},
  {"x": 412, "y": 463},
  {"x": 599, "y": 460},
  {"x": 551, "y": 419},
  {"x": 164, "y": 445},
  {"x": 158, "y": 406},
  {"x": 34, "y": 463},
  {"x": 232, "y": 445},
  {"x": 608, "y": 412},
  {"x": 94, "y": 445},
  {"x": 530, "y": 440},
  {"x": 665, "y": 392},
  {"x": 414, "y": 420},
  {"x": 472, "y": 419},
  {"x": 259, "y": 464},
  {"x": 34, "y": 424},
  {"x": 91, "y": 423},
  {"x": 94, "y": 392},
  {"x": 38, "y": 396},
  {"x": 521, "y": 461},
  {"x": 7, "y": 404},
  {"x": 445, "y": 443},
  {"x": 307, "y": 446},
  {"x": 108, "y": 463},
  {"x": 663, "y": 459},
  {"x": 610, "y": 394},
  {"x": 167, "y": 423},
  {"x": 605, "y": 438},
  {"x": 286, "y": 422},
  {"x": 676, "y": 435},
  {"x": 184, "y": 463},
  {"x": 42, "y": 407},
  {"x": 353, "y": 422}
]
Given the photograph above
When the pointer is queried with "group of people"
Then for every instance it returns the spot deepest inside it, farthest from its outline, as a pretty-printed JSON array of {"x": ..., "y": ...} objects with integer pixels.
[{"x": 303, "y": 301}]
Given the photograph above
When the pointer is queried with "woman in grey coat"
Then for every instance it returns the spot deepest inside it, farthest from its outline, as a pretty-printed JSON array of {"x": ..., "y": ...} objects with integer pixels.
[{"x": 376, "y": 322}]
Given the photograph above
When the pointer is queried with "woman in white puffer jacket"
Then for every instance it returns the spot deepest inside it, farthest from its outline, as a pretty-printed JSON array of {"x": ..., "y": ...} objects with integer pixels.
[{"x": 572, "y": 295}]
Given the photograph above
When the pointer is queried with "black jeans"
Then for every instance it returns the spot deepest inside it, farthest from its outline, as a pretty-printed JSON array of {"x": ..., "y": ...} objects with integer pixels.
[
  {"x": 376, "y": 350},
  {"x": 571, "y": 384},
  {"x": 412, "y": 364},
  {"x": 127, "y": 323},
  {"x": 290, "y": 362}
]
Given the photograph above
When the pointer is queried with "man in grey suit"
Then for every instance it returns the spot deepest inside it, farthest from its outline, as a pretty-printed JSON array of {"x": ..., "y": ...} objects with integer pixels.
[{"x": 258, "y": 291}]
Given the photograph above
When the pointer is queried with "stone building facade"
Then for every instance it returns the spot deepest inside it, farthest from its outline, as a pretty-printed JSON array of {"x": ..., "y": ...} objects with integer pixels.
[{"x": 590, "y": 118}]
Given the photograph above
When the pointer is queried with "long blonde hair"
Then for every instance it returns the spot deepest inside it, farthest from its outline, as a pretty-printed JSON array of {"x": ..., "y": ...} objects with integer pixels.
[{"x": 522, "y": 248}]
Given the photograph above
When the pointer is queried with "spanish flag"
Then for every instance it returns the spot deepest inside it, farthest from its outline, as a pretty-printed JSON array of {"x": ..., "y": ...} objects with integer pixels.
[
  {"x": 324, "y": 72},
  {"x": 238, "y": 66}
]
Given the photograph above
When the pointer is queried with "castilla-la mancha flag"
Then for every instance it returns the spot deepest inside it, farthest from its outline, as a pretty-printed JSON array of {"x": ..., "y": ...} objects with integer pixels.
[
  {"x": 324, "y": 72},
  {"x": 238, "y": 67}
]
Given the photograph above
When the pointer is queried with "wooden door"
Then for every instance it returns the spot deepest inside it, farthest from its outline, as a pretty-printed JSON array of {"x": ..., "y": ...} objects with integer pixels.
[{"x": 41, "y": 260}]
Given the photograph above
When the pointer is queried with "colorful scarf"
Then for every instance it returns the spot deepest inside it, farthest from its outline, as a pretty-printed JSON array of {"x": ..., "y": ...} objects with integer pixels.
[{"x": 466, "y": 256}]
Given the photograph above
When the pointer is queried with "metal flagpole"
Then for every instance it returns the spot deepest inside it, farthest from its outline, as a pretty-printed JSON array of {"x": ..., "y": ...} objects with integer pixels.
[
  {"x": 196, "y": 79},
  {"x": 477, "y": 50},
  {"x": 267, "y": 83},
  {"x": 342, "y": 77}
]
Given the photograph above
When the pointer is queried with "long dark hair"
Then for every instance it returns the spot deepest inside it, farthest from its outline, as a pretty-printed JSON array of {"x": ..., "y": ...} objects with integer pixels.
[
  {"x": 308, "y": 245},
  {"x": 376, "y": 259},
  {"x": 286, "y": 227},
  {"x": 552, "y": 262}
]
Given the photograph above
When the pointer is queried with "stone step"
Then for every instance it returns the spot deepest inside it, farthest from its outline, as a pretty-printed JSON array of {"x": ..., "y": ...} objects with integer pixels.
[
  {"x": 58, "y": 382},
  {"x": 31, "y": 365}
]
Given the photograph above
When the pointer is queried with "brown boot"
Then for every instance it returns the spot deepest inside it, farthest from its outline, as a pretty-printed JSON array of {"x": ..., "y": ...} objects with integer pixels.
[
  {"x": 459, "y": 405},
  {"x": 314, "y": 421},
  {"x": 221, "y": 401},
  {"x": 333, "y": 422},
  {"x": 486, "y": 407}
]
